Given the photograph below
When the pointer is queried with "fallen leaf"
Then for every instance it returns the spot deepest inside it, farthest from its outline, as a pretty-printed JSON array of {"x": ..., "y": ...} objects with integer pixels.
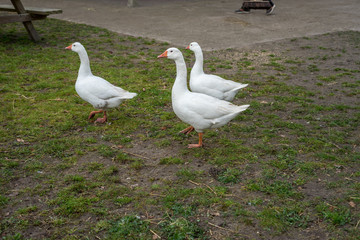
[
  {"x": 215, "y": 214},
  {"x": 352, "y": 204},
  {"x": 57, "y": 99}
]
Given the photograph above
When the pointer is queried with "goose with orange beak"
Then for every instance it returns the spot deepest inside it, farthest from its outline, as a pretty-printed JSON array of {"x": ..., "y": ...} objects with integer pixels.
[
  {"x": 96, "y": 90},
  {"x": 199, "y": 110}
]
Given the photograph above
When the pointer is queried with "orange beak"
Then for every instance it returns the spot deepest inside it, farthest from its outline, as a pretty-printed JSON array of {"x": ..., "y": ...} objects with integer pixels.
[
  {"x": 188, "y": 47},
  {"x": 69, "y": 47},
  {"x": 164, "y": 54}
]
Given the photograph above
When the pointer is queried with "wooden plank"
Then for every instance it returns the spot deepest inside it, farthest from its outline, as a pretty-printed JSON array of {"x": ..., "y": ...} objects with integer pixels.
[
  {"x": 26, "y": 16},
  {"x": 35, "y": 10},
  {"x": 18, "y": 6},
  {"x": 20, "y": 17},
  {"x": 28, "y": 24},
  {"x": 15, "y": 18}
]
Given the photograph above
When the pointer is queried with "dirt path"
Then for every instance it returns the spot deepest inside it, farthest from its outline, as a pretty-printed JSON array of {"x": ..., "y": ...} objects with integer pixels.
[{"x": 212, "y": 23}]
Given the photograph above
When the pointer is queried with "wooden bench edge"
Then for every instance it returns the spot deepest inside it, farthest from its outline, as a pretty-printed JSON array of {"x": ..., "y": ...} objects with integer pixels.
[{"x": 33, "y": 10}]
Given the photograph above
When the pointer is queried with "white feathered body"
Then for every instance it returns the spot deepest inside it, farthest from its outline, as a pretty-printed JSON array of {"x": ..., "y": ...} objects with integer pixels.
[
  {"x": 210, "y": 84},
  {"x": 96, "y": 90},
  {"x": 204, "y": 112},
  {"x": 214, "y": 86},
  {"x": 100, "y": 93}
]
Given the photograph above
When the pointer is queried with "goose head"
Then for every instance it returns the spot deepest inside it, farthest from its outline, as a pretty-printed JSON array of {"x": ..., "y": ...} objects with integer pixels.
[
  {"x": 193, "y": 46},
  {"x": 76, "y": 47},
  {"x": 171, "y": 53}
]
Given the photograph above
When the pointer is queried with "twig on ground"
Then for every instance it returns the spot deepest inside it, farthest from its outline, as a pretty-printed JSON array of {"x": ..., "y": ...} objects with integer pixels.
[
  {"x": 195, "y": 183},
  {"x": 229, "y": 230},
  {"x": 198, "y": 184},
  {"x": 157, "y": 236},
  {"x": 225, "y": 229},
  {"x": 211, "y": 189}
]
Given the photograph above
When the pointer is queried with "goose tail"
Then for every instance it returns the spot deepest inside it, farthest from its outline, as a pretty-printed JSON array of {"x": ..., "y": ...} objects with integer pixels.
[
  {"x": 129, "y": 95},
  {"x": 241, "y": 86},
  {"x": 242, "y": 108}
]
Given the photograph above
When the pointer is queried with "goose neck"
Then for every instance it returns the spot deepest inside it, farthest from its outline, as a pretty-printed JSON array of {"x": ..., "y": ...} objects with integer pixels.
[
  {"x": 199, "y": 62},
  {"x": 180, "y": 84},
  {"x": 84, "y": 69}
]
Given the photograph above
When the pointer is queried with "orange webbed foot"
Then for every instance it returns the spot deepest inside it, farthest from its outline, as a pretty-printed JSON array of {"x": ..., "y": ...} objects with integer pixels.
[
  {"x": 187, "y": 130},
  {"x": 93, "y": 113},
  {"x": 101, "y": 120},
  {"x": 194, "y": 145},
  {"x": 200, "y": 144}
]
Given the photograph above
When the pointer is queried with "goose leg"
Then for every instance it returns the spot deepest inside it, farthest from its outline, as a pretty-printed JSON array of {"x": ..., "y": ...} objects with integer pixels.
[
  {"x": 92, "y": 114},
  {"x": 199, "y": 144},
  {"x": 102, "y": 120},
  {"x": 99, "y": 120},
  {"x": 187, "y": 130}
]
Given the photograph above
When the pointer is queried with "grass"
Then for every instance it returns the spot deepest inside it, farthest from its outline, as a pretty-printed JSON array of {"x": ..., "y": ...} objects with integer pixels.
[{"x": 285, "y": 168}]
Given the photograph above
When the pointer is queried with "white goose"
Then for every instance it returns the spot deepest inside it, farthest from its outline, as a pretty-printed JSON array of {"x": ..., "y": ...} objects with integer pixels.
[
  {"x": 96, "y": 90},
  {"x": 210, "y": 84},
  {"x": 199, "y": 110}
]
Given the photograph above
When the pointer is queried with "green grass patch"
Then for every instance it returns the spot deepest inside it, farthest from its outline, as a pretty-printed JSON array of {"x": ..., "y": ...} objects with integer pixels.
[{"x": 129, "y": 227}]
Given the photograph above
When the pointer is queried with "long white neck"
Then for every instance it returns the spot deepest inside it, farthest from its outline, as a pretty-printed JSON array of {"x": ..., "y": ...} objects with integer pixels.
[
  {"x": 180, "y": 85},
  {"x": 198, "y": 67},
  {"x": 84, "y": 69}
]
